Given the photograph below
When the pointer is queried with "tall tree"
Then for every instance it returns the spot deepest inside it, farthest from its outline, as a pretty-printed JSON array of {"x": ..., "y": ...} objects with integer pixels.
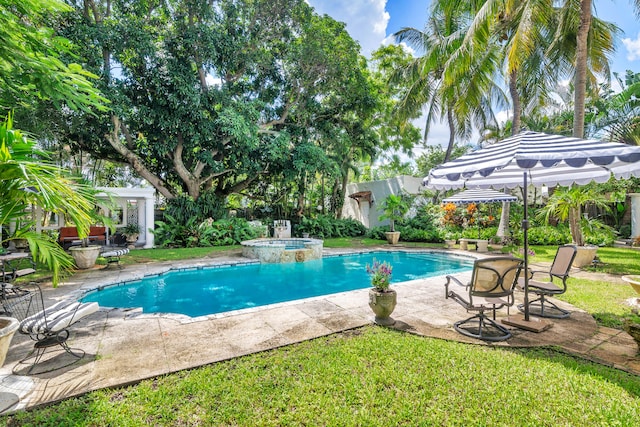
[
  {"x": 213, "y": 97},
  {"x": 538, "y": 41},
  {"x": 462, "y": 103}
]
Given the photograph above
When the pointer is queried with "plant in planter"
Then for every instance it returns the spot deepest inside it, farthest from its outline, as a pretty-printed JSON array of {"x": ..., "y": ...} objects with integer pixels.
[
  {"x": 395, "y": 208},
  {"x": 566, "y": 204},
  {"x": 85, "y": 256},
  {"x": 450, "y": 238},
  {"x": 131, "y": 232},
  {"x": 382, "y": 299}
]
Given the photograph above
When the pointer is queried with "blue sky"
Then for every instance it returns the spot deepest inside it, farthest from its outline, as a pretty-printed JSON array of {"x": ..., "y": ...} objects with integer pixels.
[{"x": 372, "y": 22}]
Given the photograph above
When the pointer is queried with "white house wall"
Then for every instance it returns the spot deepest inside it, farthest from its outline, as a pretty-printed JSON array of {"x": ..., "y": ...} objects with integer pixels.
[{"x": 380, "y": 190}]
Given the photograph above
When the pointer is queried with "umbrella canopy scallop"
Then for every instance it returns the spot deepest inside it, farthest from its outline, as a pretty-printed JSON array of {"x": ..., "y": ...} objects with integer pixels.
[
  {"x": 479, "y": 196},
  {"x": 547, "y": 160}
]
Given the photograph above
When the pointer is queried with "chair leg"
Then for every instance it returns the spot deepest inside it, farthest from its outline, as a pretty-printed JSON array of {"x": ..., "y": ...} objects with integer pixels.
[
  {"x": 483, "y": 328},
  {"x": 542, "y": 307},
  {"x": 40, "y": 348}
]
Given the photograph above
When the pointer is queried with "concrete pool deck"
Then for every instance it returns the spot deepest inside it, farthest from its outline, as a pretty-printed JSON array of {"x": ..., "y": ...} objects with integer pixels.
[{"x": 125, "y": 347}]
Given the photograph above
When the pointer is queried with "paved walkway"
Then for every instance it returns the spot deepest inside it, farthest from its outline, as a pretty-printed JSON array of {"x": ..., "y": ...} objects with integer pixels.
[{"x": 126, "y": 346}]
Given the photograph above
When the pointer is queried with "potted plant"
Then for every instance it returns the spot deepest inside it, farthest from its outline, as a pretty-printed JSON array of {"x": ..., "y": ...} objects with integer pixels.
[
  {"x": 566, "y": 204},
  {"x": 8, "y": 327},
  {"x": 382, "y": 299},
  {"x": 450, "y": 238},
  {"x": 394, "y": 207},
  {"x": 131, "y": 232},
  {"x": 85, "y": 256}
]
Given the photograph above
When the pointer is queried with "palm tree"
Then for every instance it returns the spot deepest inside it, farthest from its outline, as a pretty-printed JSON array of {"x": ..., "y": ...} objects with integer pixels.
[
  {"x": 538, "y": 42},
  {"x": 618, "y": 115},
  {"x": 27, "y": 181},
  {"x": 566, "y": 204},
  {"x": 466, "y": 102}
]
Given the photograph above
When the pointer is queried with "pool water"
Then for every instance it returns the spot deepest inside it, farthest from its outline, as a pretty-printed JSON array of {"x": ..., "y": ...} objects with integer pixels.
[{"x": 202, "y": 291}]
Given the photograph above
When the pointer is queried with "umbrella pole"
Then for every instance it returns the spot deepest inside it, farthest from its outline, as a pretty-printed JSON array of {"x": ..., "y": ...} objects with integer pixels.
[
  {"x": 536, "y": 324},
  {"x": 525, "y": 243}
]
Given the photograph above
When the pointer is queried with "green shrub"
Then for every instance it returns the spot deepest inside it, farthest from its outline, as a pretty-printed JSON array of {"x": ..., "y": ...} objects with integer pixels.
[
  {"x": 486, "y": 233},
  {"x": 625, "y": 231},
  {"x": 596, "y": 232},
  {"x": 547, "y": 235},
  {"x": 171, "y": 233},
  {"x": 377, "y": 233},
  {"x": 420, "y": 228},
  {"x": 416, "y": 235},
  {"x": 325, "y": 226},
  {"x": 183, "y": 208}
]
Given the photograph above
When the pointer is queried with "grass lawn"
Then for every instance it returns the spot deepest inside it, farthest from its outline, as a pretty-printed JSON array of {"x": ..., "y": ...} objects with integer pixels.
[
  {"x": 378, "y": 377},
  {"x": 367, "y": 377}
]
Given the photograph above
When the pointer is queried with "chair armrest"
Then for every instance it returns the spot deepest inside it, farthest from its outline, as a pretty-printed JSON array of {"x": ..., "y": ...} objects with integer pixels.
[
  {"x": 454, "y": 280},
  {"x": 546, "y": 272}
]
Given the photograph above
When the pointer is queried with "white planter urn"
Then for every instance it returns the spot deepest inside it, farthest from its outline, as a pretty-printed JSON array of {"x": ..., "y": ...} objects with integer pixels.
[
  {"x": 585, "y": 256},
  {"x": 8, "y": 327},
  {"x": 85, "y": 256},
  {"x": 392, "y": 237},
  {"x": 383, "y": 303}
]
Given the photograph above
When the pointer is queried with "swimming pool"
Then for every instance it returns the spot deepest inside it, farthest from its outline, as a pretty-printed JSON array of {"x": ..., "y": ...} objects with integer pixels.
[{"x": 218, "y": 289}]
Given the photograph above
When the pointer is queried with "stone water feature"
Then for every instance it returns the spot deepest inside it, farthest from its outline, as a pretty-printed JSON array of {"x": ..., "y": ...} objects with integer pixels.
[{"x": 277, "y": 250}]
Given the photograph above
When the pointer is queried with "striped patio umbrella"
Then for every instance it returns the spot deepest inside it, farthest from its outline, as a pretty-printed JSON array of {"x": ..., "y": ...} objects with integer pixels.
[
  {"x": 539, "y": 159},
  {"x": 479, "y": 196}
]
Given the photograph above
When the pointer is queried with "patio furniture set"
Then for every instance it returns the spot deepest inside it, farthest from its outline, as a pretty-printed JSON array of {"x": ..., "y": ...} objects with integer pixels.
[{"x": 492, "y": 285}]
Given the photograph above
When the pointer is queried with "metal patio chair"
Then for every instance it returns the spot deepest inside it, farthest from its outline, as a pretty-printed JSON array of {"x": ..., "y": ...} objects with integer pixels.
[
  {"x": 560, "y": 269},
  {"x": 48, "y": 327},
  {"x": 491, "y": 287}
]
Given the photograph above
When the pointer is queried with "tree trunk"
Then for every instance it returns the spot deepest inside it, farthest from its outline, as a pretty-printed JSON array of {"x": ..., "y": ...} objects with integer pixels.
[
  {"x": 135, "y": 162},
  {"x": 574, "y": 226},
  {"x": 452, "y": 135},
  {"x": 580, "y": 82},
  {"x": 517, "y": 105},
  {"x": 503, "y": 227}
]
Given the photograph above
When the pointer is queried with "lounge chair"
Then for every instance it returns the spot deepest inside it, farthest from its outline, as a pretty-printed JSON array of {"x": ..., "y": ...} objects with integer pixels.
[
  {"x": 48, "y": 327},
  {"x": 560, "y": 268},
  {"x": 113, "y": 255},
  {"x": 491, "y": 287}
]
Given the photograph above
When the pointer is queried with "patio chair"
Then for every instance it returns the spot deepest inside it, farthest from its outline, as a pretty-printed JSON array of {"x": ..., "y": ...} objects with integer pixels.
[
  {"x": 560, "y": 268},
  {"x": 113, "y": 255},
  {"x": 491, "y": 287},
  {"x": 48, "y": 327}
]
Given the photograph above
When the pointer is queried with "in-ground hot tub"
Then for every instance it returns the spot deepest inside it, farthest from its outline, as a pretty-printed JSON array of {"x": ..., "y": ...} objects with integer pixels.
[{"x": 282, "y": 250}]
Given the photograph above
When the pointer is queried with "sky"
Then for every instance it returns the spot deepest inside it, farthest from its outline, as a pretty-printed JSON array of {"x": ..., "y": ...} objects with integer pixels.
[{"x": 372, "y": 22}]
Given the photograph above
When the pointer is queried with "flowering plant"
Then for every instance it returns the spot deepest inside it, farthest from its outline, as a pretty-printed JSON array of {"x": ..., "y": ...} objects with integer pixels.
[
  {"x": 530, "y": 252},
  {"x": 380, "y": 274}
]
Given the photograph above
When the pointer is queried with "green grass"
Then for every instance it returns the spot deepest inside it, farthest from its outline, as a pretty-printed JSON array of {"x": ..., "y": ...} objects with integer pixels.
[
  {"x": 159, "y": 255},
  {"x": 368, "y": 377}
]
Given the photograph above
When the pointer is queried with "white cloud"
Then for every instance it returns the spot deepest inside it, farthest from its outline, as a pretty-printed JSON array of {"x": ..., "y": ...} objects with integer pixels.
[
  {"x": 366, "y": 19},
  {"x": 389, "y": 40},
  {"x": 633, "y": 48}
]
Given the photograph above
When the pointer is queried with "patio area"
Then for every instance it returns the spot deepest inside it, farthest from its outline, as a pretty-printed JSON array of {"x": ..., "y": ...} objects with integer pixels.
[{"x": 124, "y": 346}]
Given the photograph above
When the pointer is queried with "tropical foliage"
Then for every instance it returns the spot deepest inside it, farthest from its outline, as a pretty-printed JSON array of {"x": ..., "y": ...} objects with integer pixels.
[
  {"x": 31, "y": 60},
  {"x": 29, "y": 181},
  {"x": 260, "y": 98},
  {"x": 325, "y": 226},
  {"x": 566, "y": 205}
]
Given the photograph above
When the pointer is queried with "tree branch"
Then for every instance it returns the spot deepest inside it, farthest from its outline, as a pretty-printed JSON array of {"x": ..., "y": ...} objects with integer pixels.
[{"x": 132, "y": 159}]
